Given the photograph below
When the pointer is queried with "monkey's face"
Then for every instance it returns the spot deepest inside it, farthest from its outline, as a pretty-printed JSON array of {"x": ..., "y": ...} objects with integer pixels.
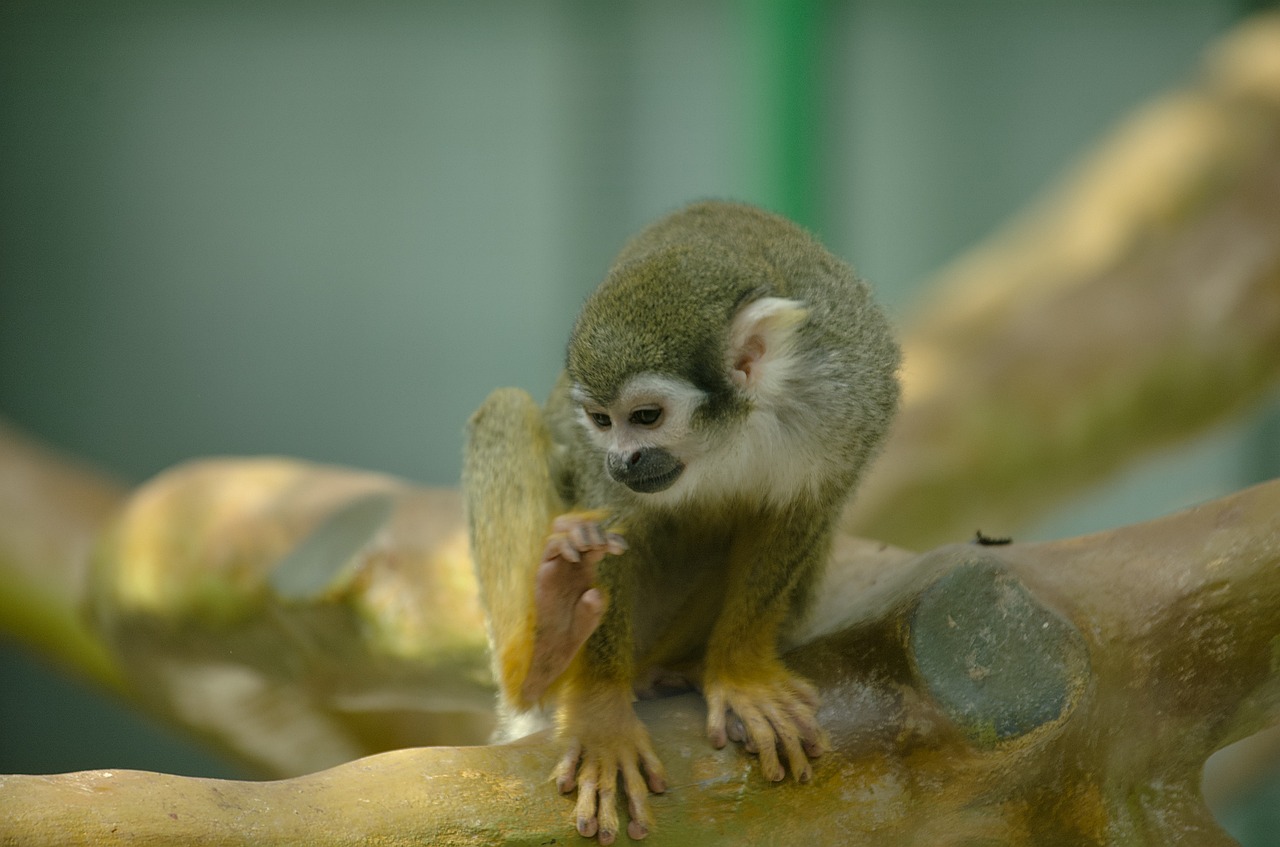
[
  {"x": 647, "y": 432},
  {"x": 732, "y": 416}
]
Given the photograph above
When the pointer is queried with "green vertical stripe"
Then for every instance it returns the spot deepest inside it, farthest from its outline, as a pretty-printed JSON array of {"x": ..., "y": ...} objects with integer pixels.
[{"x": 783, "y": 75}]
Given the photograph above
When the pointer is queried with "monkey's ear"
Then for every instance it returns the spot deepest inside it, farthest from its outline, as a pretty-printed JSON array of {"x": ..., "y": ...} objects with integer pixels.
[{"x": 760, "y": 339}]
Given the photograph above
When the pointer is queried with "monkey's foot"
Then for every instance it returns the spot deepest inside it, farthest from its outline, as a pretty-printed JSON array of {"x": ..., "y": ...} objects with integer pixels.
[
  {"x": 607, "y": 742},
  {"x": 568, "y": 606},
  {"x": 774, "y": 716}
]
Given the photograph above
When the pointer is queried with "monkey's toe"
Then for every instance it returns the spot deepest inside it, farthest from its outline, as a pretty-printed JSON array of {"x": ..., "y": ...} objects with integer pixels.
[{"x": 775, "y": 721}]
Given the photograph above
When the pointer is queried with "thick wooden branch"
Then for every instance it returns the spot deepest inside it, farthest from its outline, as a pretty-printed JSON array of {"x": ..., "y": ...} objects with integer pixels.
[{"x": 1030, "y": 694}]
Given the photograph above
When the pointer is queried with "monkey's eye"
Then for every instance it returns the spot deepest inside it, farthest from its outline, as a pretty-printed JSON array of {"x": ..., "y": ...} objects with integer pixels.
[
  {"x": 600, "y": 419},
  {"x": 647, "y": 416}
]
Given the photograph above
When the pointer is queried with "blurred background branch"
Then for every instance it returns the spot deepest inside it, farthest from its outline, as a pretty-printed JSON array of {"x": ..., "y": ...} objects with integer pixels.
[{"x": 1134, "y": 307}]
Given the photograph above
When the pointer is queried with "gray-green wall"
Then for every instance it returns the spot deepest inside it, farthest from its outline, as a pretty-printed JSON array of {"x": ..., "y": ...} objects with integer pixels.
[{"x": 328, "y": 229}]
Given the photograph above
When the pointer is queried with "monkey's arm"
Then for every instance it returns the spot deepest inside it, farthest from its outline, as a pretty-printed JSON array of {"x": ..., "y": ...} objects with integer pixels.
[
  {"x": 537, "y": 572},
  {"x": 751, "y": 695},
  {"x": 605, "y": 742}
]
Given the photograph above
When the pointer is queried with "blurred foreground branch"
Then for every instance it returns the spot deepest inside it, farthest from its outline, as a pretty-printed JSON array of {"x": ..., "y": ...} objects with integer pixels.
[{"x": 52, "y": 512}]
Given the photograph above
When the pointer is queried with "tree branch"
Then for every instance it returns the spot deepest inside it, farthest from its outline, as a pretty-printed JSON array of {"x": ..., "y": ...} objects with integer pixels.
[
  {"x": 1144, "y": 650},
  {"x": 1135, "y": 306}
]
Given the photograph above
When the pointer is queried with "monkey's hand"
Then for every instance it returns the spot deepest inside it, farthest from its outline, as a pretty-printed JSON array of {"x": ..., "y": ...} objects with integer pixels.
[
  {"x": 771, "y": 711},
  {"x": 568, "y": 607},
  {"x": 607, "y": 741}
]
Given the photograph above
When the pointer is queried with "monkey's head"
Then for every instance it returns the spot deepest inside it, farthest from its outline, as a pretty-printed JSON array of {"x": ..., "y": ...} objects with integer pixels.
[{"x": 676, "y": 361}]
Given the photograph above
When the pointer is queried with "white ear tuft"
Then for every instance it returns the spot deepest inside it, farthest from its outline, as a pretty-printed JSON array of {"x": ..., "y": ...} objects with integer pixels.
[{"x": 759, "y": 339}]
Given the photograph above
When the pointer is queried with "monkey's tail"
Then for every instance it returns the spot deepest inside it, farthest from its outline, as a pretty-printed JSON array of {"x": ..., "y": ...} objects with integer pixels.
[{"x": 510, "y": 499}]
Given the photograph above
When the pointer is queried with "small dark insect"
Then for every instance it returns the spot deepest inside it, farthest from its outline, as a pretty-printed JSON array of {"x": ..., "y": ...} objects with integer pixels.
[{"x": 989, "y": 541}]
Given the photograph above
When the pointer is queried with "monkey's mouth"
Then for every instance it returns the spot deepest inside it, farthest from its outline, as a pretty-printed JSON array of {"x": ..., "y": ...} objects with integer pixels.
[{"x": 656, "y": 483}]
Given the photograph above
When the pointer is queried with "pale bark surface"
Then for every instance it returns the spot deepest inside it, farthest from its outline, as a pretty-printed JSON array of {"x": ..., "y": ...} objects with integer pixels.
[{"x": 1067, "y": 692}]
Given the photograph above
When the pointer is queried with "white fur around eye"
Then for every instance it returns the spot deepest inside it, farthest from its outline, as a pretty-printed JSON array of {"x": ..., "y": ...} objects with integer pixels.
[{"x": 676, "y": 398}]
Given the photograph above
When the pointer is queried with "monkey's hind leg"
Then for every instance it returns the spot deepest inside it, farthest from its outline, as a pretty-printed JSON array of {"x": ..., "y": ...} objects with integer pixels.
[{"x": 536, "y": 570}]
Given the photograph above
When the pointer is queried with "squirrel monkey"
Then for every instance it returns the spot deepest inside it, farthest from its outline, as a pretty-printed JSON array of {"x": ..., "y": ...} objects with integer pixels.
[{"x": 723, "y": 390}]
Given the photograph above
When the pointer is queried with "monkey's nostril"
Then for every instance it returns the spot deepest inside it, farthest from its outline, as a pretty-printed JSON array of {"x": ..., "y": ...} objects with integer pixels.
[{"x": 634, "y": 458}]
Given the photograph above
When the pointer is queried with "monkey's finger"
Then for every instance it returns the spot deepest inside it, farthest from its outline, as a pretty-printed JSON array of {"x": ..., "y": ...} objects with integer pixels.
[
  {"x": 559, "y": 546},
  {"x": 633, "y": 783},
  {"x": 787, "y": 726},
  {"x": 764, "y": 739},
  {"x": 567, "y": 521},
  {"x": 716, "y": 719},
  {"x": 617, "y": 544},
  {"x": 584, "y": 811},
  {"x": 802, "y": 714},
  {"x": 812, "y": 735},
  {"x": 653, "y": 767},
  {"x": 607, "y": 802},
  {"x": 563, "y": 523},
  {"x": 793, "y": 750},
  {"x": 638, "y": 830},
  {"x": 586, "y": 536},
  {"x": 770, "y": 765},
  {"x": 597, "y": 806},
  {"x": 565, "y": 774}
]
